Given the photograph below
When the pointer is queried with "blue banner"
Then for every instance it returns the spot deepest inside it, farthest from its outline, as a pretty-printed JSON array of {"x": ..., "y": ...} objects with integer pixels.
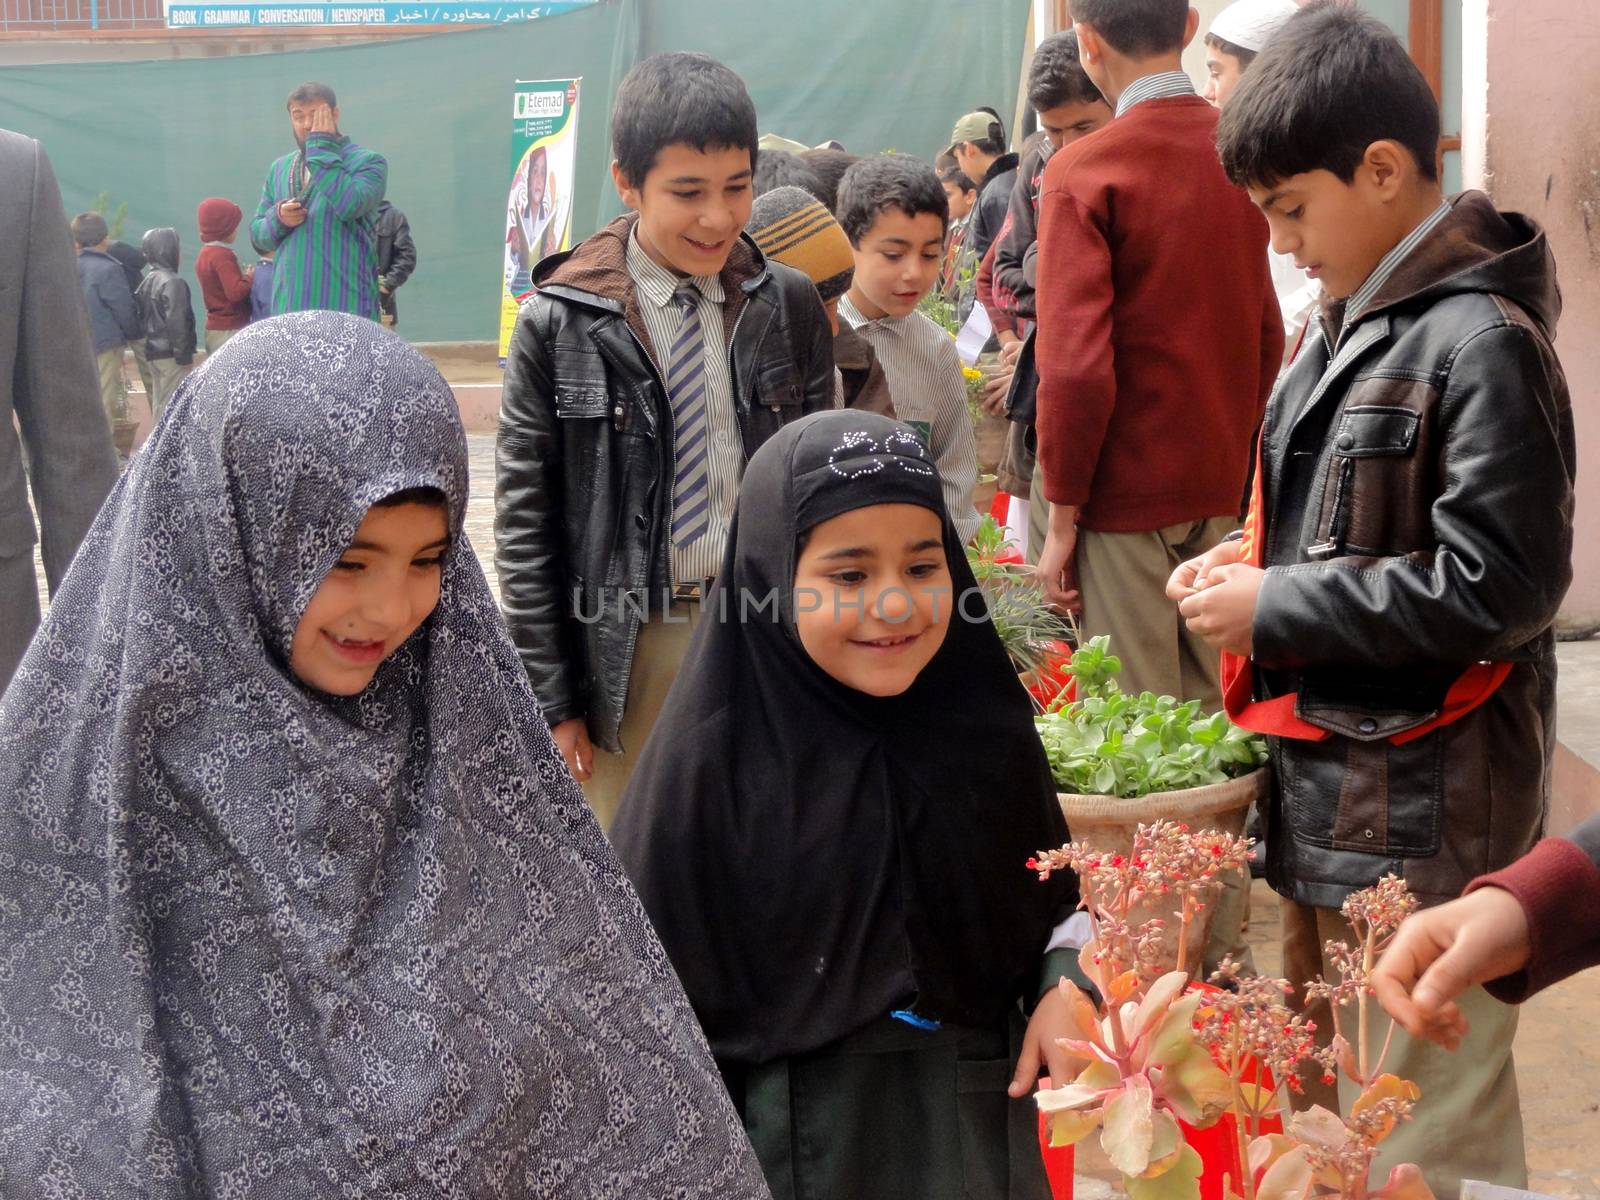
[{"x": 322, "y": 12}]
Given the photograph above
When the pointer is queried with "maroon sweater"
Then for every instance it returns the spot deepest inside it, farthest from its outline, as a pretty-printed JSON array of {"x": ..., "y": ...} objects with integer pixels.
[
  {"x": 224, "y": 286},
  {"x": 1558, "y": 885},
  {"x": 1159, "y": 335}
]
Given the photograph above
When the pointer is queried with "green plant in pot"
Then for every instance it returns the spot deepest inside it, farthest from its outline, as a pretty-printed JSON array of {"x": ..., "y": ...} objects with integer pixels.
[
  {"x": 1034, "y": 636},
  {"x": 1123, "y": 760}
]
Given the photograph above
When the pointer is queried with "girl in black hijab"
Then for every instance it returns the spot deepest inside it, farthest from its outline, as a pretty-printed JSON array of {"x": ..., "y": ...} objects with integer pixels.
[{"x": 829, "y": 829}]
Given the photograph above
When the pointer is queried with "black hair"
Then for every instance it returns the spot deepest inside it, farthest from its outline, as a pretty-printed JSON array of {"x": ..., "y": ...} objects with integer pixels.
[
  {"x": 679, "y": 97},
  {"x": 829, "y": 167},
  {"x": 779, "y": 168},
  {"x": 1136, "y": 28},
  {"x": 958, "y": 177},
  {"x": 313, "y": 93},
  {"x": 432, "y": 497},
  {"x": 1245, "y": 57},
  {"x": 875, "y": 185},
  {"x": 1057, "y": 77},
  {"x": 89, "y": 229},
  {"x": 1331, "y": 82}
]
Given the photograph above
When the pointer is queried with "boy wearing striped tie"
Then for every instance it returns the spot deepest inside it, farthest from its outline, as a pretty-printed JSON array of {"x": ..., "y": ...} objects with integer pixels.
[{"x": 651, "y": 362}]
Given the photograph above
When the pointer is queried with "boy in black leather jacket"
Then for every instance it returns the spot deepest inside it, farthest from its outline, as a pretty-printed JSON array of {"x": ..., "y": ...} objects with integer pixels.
[
  {"x": 652, "y": 361},
  {"x": 1387, "y": 614},
  {"x": 168, "y": 314}
]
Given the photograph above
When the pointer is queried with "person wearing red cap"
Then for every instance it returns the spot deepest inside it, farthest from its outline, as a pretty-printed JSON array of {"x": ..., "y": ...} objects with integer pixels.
[{"x": 224, "y": 286}]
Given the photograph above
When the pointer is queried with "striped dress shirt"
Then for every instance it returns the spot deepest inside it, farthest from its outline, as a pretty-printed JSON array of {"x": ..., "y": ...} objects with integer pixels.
[
  {"x": 655, "y": 285},
  {"x": 1164, "y": 85},
  {"x": 930, "y": 394},
  {"x": 329, "y": 261}
]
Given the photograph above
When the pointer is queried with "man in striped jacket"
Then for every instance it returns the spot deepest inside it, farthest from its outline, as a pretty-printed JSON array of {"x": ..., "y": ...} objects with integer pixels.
[{"x": 318, "y": 213}]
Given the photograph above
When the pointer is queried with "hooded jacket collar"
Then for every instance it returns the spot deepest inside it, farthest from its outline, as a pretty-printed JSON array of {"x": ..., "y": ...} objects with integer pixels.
[{"x": 1477, "y": 248}]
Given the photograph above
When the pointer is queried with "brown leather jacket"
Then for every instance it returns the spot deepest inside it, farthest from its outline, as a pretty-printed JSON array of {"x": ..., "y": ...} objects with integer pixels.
[{"x": 1418, "y": 459}]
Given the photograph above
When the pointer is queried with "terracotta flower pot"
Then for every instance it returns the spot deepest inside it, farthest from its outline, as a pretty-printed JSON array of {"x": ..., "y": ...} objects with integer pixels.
[{"x": 1108, "y": 823}]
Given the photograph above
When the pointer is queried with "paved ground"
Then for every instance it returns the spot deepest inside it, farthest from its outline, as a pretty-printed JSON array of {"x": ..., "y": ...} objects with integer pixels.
[{"x": 1558, "y": 1044}]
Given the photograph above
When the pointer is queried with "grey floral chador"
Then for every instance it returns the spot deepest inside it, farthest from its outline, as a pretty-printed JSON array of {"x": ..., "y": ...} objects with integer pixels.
[{"x": 258, "y": 942}]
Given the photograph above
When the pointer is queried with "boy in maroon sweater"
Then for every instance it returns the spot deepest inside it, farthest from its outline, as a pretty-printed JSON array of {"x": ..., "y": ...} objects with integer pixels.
[
  {"x": 1159, "y": 338},
  {"x": 225, "y": 288}
]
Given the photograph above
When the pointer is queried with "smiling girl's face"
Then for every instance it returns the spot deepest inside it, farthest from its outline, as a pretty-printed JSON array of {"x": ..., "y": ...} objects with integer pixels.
[
  {"x": 382, "y": 588},
  {"x": 873, "y": 596}
]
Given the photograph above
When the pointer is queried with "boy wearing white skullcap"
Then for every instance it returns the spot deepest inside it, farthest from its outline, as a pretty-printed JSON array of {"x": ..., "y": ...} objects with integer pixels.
[{"x": 1240, "y": 32}]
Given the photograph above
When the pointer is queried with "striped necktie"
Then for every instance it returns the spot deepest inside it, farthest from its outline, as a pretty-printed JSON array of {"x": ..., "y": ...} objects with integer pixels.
[{"x": 686, "y": 388}]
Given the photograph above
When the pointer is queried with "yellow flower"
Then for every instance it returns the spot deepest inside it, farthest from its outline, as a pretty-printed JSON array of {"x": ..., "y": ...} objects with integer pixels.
[{"x": 972, "y": 374}]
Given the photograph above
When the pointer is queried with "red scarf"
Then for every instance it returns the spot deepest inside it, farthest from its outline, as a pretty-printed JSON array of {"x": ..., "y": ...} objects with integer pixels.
[{"x": 1276, "y": 717}]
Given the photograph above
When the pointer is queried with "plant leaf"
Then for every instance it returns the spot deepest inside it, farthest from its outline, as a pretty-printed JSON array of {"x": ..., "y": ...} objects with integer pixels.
[
  {"x": 1207, "y": 1087},
  {"x": 1289, "y": 1178},
  {"x": 1128, "y": 1129},
  {"x": 1181, "y": 1182},
  {"x": 1174, "y": 1038},
  {"x": 1099, "y": 1075},
  {"x": 1385, "y": 1087},
  {"x": 1319, "y": 1127},
  {"x": 1259, "y": 1099},
  {"x": 1268, "y": 1149},
  {"x": 1081, "y": 1010},
  {"x": 1070, "y": 1128},
  {"x": 1064, "y": 1099},
  {"x": 1166, "y": 1144},
  {"x": 1122, "y": 987},
  {"x": 1157, "y": 1001}
]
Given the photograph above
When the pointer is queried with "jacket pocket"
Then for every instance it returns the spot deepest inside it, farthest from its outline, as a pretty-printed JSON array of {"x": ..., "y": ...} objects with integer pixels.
[
  {"x": 1381, "y": 474},
  {"x": 1372, "y": 797}
]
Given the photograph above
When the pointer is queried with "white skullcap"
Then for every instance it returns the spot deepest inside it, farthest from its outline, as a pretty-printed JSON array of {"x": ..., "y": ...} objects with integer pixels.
[{"x": 1250, "y": 24}]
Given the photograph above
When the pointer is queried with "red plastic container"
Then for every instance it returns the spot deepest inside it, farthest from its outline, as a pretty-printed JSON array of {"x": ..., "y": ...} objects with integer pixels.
[{"x": 1058, "y": 1160}]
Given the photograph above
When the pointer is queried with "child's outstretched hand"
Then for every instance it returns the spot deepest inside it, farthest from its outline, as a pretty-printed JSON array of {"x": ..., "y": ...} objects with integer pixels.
[
  {"x": 1223, "y": 610},
  {"x": 1041, "y": 1047},
  {"x": 1441, "y": 952}
]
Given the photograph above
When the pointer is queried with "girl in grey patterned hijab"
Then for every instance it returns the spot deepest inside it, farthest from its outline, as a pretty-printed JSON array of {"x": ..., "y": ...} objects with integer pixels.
[{"x": 294, "y": 901}]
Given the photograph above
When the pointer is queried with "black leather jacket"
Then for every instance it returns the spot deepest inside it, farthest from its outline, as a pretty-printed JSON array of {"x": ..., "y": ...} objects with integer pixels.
[
  {"x": 397, "y": 253},
  {"x": 165, "y": 304},
  {"x": 585, "y": 444},
  {"x": 1418, "y": 463}
]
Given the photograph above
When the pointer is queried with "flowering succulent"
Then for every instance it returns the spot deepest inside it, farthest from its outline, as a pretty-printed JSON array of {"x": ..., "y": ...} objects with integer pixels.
[{"x": 1157, "y": 1055}]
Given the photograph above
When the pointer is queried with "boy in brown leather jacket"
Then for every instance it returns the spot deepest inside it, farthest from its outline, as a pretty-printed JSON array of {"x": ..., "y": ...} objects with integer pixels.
[{"x": 1386, "y": 616}]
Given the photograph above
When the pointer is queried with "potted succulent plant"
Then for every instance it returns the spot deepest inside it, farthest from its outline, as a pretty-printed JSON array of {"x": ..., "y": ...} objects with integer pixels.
[{"x": 1122, "y": 760}]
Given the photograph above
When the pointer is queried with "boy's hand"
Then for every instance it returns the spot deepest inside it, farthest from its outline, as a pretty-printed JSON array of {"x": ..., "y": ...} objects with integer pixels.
[
  {"x": 1011, "y": 350},
  {"x": 1192, "y": 576},
  {"x": 572, "y": 739},
  {"x": 291, "y": 213},
  {"x": 1223, "y": 611},
  {"x": 1441, "y": 952},
  {"x": 1041, "y": 1047},
  {"x": 995, "y": 389},
  {"x": 1056, "y": 572}
]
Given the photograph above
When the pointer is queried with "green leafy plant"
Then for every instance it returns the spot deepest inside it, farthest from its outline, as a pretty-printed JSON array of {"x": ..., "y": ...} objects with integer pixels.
[
  {"x": 1109, "y": 743},
  {"x": 116, "y": 218},
  {"x": 1029, "y": 629}
]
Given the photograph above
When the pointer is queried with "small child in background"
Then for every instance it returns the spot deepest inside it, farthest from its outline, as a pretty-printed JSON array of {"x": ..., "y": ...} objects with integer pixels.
[
  {"x": 225, "y": 288},
  {"x": 792, "y": 227},
  {"x": 1240, "y": 32},
  {"x": 113, "y": 316},
  {"x": 167, "y": 310},
  {"x": 261, "y": 287},
  {"x": 894, "y": 211}
]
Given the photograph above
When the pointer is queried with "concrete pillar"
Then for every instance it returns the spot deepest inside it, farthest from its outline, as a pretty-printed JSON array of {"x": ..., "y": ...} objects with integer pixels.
[{"x": 1531, "y": 139}]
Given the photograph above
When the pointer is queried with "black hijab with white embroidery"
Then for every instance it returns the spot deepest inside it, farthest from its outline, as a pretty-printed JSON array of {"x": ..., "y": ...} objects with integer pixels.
[
  {"x": 259, "y": 943},
  {"x": 813, "y": 857}
]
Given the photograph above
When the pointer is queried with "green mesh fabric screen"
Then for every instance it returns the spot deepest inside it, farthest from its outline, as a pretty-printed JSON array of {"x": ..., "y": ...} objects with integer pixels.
[{"x": 162, "y": 135}]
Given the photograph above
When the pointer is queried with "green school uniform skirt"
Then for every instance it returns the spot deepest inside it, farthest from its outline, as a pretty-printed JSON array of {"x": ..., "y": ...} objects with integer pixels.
[{"x": 892, "y": 1111}]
